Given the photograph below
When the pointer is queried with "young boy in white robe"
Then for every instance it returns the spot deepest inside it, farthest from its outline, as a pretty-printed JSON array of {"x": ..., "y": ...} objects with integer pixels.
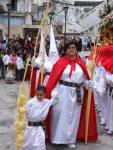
[{"x": 36, "y": 112}]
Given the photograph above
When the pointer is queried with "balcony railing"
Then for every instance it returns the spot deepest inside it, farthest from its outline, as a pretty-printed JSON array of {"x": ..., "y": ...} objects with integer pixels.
[{"x": 105, "y": 11}]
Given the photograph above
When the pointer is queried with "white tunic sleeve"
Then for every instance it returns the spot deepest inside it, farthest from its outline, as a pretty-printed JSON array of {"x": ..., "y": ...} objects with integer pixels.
[
  {"x": 48, "y": 66},
  {"x": 96, "y": 78},
  {"x": 55, "y": 96},
  {"x": 37, "y": 111},
  {"x": 86, "y": 82},
  {"x": 102, "y": 83}
]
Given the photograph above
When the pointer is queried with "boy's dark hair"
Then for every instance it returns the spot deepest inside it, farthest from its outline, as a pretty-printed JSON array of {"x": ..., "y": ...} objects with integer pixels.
[{"x": 41, "y": 88}]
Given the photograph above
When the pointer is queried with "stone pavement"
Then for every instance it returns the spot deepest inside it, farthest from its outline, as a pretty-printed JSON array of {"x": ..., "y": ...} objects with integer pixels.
[{"x": 8, "y": 99}]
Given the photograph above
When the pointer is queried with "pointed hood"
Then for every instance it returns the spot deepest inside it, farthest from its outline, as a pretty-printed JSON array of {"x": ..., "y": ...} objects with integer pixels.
[
  {"x": 53, "y": 52},
  {"x": 39, "y": 58}
]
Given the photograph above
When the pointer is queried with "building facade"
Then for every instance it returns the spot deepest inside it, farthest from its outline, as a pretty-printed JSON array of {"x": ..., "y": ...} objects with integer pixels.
[
  {"x": 93, "y": 21},
  {"x": 106, "y": 25},
  {"x": 24, "y": 15}
]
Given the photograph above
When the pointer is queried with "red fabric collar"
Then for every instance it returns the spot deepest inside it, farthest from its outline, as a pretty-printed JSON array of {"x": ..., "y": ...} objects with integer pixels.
[
  {"x": 57, "y": 71},
  {"x": 73, "y": 65}
]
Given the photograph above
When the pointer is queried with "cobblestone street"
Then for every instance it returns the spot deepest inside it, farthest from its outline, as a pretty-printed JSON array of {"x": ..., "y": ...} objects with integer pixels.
[{"x": 8, "y": 99}]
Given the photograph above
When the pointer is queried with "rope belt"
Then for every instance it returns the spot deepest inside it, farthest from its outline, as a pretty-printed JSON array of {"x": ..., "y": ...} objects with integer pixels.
[
  {"x": 78, "y": 90},
  {"x": 35, "y": 124}
]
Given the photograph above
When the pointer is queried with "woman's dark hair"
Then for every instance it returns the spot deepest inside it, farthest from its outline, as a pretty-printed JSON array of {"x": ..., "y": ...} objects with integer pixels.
[
  {"x": 68, "y": 43},
  {"x": 41, "y": 88}
]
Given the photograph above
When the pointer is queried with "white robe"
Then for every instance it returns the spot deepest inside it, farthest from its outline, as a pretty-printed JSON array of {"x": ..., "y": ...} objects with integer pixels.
[
  {"x": 48, "y": 67},
  {"x": 66, "y": 113},
  {"x": 36, "y": 111},
  {"x": 101, "y": 89},
  {"x": 109, "y": 123},
  {"x": 96, "y": 80}
]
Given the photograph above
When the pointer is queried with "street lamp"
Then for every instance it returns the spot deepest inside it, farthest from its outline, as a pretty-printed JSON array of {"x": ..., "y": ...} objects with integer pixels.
[
  {"x": 9, "y": 15},
  {"x": 51, "y": 14},
  {"x": 66, "y": 11}
]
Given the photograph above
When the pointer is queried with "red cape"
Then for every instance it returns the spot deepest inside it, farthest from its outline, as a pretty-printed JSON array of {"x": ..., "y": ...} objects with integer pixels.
[
  {"x": 107, "y": 63},
  {"x": 55, "y": 75}
]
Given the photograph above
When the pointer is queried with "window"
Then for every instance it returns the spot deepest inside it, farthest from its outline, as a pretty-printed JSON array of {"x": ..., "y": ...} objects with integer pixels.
[{"x": 14, "y": 5}]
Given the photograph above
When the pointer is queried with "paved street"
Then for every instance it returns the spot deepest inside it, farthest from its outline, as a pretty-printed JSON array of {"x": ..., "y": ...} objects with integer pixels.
[{"x": 8, "y": 98}]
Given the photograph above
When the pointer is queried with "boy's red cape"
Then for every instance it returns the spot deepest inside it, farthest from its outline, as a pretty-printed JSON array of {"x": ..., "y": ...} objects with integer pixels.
[{"x": 55, "y": 75}]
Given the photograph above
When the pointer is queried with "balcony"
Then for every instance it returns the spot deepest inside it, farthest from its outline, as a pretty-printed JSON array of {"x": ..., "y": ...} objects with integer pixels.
[
  {"x": 2, "y": 10},
  {"x": 37, "y": 13},
  {"x": 105, "y": 11},
  {"x": 102, "y": 13}
]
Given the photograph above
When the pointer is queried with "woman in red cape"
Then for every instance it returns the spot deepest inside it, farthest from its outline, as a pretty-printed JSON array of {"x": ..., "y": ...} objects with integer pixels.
[{"x": 73, "y": 65}]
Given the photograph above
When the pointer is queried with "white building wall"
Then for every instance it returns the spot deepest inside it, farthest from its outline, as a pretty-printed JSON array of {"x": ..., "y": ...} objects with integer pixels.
[
  {"x": 4, "y": 3},
  {"x": 90, "y": 21},
  {"x": 21, "y": 6},
  {"x": 28, "y": 19}
]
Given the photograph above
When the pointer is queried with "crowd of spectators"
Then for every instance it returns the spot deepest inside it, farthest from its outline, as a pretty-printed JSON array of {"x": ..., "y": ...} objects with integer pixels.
[{"x": 15, "y": 53}]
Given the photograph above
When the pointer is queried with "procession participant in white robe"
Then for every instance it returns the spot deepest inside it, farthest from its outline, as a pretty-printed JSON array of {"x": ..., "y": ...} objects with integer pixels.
[
  {"x": 39, "y": 59},
  {"x": 20, "y": 67},
  {"x": 34, "y": 69},
  {"x": 52, "y": 58},
  {"x": 96, "y": 80},
  {"x": 102, "y": 94},
  {"x": 36, "y": 111},
  {"x": 100, "y": 84},
  {"x": 108, "y": 65},
  {"x": 95, "y": 76},
  {"x": 109, "y": 125},
  {"x": 106, "y": 62},
  {"x": 68, "y": 115}
]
